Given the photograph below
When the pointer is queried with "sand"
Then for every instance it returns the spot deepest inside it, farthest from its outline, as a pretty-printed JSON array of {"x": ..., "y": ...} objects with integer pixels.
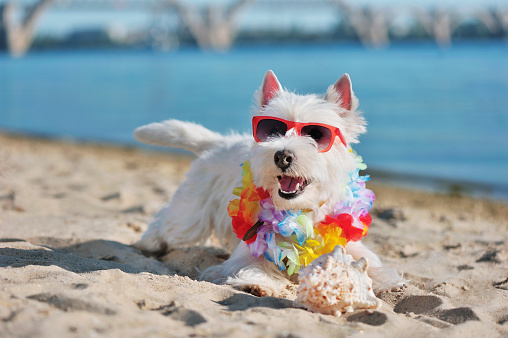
[{"x": 69, "y": 213}]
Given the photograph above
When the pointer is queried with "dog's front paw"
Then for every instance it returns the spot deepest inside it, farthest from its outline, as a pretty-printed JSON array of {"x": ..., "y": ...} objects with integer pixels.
[
  {"x": 256, "y": 290},
  {"x": 270, "y": 287}
]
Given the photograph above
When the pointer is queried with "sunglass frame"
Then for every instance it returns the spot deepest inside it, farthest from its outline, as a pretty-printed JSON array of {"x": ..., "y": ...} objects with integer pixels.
[{"x": 298, "y": 127}]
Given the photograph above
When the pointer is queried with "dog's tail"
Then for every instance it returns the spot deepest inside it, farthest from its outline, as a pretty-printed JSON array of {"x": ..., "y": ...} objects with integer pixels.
[{"x": 178, "y": 134}]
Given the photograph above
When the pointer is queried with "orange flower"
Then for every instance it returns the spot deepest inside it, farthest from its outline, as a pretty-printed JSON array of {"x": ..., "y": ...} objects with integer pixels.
[{"x": 244, "y": 211}]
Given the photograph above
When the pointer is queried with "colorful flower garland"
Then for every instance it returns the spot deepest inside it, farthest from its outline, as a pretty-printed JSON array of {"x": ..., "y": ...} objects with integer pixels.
[{"x": 287, "y": 237}]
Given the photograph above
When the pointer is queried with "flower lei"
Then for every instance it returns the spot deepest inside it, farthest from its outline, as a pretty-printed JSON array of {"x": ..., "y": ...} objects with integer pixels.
[{"x": 287, "y": 237}]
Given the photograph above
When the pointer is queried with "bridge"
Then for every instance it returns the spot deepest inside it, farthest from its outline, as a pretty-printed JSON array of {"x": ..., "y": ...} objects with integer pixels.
[{"x": 214, "y": 25}]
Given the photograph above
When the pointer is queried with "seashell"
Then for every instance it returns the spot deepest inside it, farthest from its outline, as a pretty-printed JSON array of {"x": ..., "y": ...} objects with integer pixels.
[{"x": 335, "y": 283}]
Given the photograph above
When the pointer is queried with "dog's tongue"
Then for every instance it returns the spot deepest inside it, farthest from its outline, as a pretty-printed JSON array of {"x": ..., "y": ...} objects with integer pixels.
[{"x": 288, "y": 183}]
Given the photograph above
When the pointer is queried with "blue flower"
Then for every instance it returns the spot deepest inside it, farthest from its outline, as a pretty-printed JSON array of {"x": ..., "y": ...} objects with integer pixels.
[{"x": 274, "y": 253}]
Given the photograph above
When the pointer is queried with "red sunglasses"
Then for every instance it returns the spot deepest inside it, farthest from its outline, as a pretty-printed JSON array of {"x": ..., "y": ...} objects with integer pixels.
[{"x": 266, "y": 127}]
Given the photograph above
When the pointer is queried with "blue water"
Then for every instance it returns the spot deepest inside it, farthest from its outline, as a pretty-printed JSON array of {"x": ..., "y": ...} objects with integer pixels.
[{"x": 431, "y": 112}]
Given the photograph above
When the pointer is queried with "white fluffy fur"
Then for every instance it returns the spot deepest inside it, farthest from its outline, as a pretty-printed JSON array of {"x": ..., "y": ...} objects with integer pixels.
[
  {"x": 178, "y": 134},
  {"x": 199, "y": 207}
]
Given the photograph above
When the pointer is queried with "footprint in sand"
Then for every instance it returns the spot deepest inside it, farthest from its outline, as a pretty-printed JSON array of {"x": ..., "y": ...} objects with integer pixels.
[
  {"x": 417, "y": 304},
  {"x": 68, "y": 304},
  {"x": 375, "y": 319},
  {"x": 428, "y": 305},
  {"x": 189, "y": 317},
  {"x": 456, "y": 316}
]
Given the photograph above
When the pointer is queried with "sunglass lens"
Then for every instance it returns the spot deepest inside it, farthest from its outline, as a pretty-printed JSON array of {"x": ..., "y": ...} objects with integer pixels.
[
  {"x": 270, "y": 128},
  {"x": 320, "y": 134}
]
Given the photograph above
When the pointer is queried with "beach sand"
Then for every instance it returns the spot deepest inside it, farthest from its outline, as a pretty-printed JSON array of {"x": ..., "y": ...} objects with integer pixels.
[{"x": 69, "y": 213}]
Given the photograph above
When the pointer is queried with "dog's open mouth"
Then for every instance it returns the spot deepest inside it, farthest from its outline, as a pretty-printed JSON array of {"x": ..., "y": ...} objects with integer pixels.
[{"x": 290, "y": 186}]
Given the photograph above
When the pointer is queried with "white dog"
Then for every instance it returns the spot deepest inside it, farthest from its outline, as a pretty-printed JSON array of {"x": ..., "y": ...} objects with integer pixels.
[{"x": 300, "y": 161}]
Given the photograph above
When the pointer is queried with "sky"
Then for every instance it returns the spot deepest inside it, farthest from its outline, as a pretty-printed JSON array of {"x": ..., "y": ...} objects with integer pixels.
[{"x": 62, "y": 21}]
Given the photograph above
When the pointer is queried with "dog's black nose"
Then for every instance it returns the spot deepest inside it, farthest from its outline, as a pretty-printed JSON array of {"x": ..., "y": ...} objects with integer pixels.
[{"x": 283, "y": 159}]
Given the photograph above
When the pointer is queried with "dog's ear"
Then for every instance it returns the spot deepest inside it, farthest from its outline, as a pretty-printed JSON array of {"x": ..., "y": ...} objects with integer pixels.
[
  {"x": 342, "y": 93},
  {"x": 269, "y": 88}
]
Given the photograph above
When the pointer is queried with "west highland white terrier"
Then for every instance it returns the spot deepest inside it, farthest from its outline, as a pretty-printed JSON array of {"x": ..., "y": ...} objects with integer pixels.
[{"x": 278, "y": 200}]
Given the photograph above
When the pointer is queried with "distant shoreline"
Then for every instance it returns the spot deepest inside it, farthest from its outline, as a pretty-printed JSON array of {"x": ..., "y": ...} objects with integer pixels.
[
  {"x": 405, "y": 181},
  {"x": 271, "y": 44},
  {"x": 440, "y": 185}
]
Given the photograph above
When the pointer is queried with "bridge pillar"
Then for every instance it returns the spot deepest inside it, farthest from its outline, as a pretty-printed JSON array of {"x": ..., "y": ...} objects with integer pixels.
[
  {"x": 18, "y": 35},
  {"x": 439, "y": 23},
  {"x": 371, "y": 27},
  {"x": 213, "y": 27},
  {"x": 496, "y": 20},
  {"x": 369, "y": 24}
]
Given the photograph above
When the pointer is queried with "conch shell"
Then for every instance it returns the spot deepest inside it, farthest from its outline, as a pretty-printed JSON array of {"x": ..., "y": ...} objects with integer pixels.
[{"x": 335, "y": 283}]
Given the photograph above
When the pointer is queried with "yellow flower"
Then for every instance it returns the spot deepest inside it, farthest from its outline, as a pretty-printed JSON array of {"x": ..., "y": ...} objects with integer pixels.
[
  {"x": 247, "y": 175},
  {"x": 307, "y": 254},
  {"x": 238, "y": 191},
  {"x": 332, "y": 239}
]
